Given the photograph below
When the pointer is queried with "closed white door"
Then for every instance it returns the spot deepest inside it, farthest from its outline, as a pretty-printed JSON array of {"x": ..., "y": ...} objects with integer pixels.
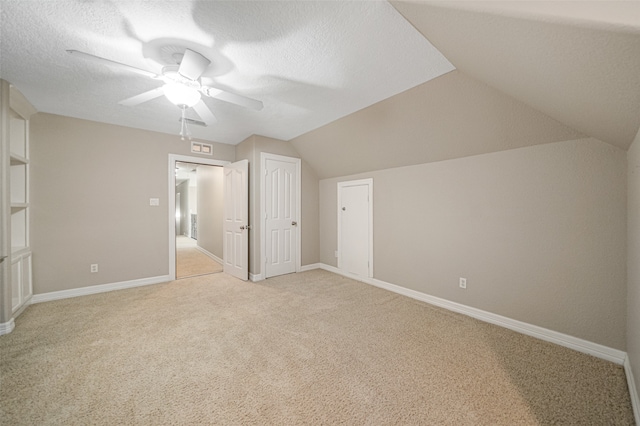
[
  {"x": 236, "y": 219},
  {"x": 355, "y": 227},
  {"x": 281, "y": 219}
]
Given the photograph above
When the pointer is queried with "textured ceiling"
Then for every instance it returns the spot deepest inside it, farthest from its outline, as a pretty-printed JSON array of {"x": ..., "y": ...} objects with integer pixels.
[
  {"x": 576, "y": 61},
  {"x": 310, "y": 63}
]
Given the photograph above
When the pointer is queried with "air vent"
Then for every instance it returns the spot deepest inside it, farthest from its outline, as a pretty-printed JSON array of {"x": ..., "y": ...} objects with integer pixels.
[
  {"x": 201, "y": 148},
  {"x": 194, "y": 122}
]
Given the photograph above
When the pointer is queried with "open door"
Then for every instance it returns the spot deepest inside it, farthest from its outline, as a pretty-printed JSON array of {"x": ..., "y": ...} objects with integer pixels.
[{"x": 236, "y": 219}]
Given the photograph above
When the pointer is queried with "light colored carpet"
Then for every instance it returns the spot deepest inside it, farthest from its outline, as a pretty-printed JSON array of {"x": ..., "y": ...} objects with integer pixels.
[
  {"x": 191, "y": 262},
  {"x": 309, "y": 348}
]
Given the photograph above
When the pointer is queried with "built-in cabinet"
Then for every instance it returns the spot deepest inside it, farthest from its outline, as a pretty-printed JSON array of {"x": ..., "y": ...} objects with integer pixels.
[{"x": 21, "y": 277}]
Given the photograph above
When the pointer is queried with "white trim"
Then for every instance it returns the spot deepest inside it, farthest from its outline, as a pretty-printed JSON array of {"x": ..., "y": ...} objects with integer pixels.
[
  {"x": 171, "y": 203},
  {"x": 311, "y": 267},
  {"x": 580, "y": 345},
  {"x": 211, "y": 255},
  {"x": 7, "y": 327},
  {"x": 633, "y": 392},
  {"x": 358, "y": 182},
  {"x": 264, "y": 156},
  {"x": 103, "y": 288},
  {"x": 22, "y": 307},
  {"x": 255, "y": 277}
]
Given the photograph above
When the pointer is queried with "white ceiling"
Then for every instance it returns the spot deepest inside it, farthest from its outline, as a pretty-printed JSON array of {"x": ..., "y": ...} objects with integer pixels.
[{"x": 309, "y": 62}]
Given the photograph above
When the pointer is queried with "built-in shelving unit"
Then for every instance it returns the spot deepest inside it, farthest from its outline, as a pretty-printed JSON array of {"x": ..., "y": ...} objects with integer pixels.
[{"x": 21, "y": 277}]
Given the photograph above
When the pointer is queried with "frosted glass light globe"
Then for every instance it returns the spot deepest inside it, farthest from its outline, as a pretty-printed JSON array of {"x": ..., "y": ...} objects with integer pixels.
[{"x": 179, "y": 94}]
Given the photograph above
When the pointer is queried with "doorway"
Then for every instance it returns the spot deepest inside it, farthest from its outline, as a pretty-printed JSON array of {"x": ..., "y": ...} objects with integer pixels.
[
  {"x": 355, "y": 227},
  {"x": 173, "y": 229},
  {"x": 199, "y": 207}
]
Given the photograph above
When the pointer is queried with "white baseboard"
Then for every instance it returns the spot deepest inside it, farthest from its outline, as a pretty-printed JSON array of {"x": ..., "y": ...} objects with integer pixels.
[
  {"x": 7, "y": 327},
  {"x": 211, "y": 255},
  {"x": 255, "y": 277},
  {"x": 103, "y": 288},
  {"x": 633, "y": 391},
  {"x": 260, "y": 277},
  {"x": 26, "y": 303},
  {"x": 580, "y": 345},
  {"x": 310, "y": 267}
]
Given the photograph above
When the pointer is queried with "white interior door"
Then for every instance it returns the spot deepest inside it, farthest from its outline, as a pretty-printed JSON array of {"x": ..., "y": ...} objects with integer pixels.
[
  {"x": 236, "y": 219},
  {"x": 281, "y": 218},
  {"x": 355, "y": 227}
]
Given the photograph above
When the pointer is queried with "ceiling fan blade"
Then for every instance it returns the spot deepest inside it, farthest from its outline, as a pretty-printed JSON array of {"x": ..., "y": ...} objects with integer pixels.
[
  {"x": 192, "y": 65},
  {"x": 109, "y": 62},
  {"x": 232, "y": 98},
  {"x": 142, "y": 97},
  {"x": 205, "y": 113}
]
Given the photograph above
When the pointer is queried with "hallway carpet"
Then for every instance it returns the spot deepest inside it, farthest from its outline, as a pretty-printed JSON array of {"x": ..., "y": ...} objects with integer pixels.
[
  {"x": 308, "y": 348},
  {"x": 191, "y": 262}
]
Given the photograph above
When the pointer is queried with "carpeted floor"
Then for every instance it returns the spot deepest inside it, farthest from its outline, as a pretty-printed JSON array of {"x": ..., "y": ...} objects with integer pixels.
[
  {"x": 309, "y": 348},
  {"x": 191, "y": 262}
]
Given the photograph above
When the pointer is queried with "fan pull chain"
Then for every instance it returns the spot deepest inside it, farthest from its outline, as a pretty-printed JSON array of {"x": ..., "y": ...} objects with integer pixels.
[{"x": 184, "y": 128}]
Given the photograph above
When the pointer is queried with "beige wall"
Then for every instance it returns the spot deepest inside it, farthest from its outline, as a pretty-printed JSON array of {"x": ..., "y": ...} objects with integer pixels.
[
  {"x": 250, "y": 149},
  {"x": 91, "y": 184},
  {"x": 633, "y": 261},
  {"x": 539, "y": 233},
  {"x": 452, "y": 116},
  {"x": 210, "y": 208}
]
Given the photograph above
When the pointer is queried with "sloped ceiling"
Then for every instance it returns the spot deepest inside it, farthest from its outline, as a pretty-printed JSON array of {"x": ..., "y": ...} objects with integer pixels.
[
  {"x": 309, "y": 62},
  {"x": 576, "y": 61},
  {"x": 449, "y": 117}
]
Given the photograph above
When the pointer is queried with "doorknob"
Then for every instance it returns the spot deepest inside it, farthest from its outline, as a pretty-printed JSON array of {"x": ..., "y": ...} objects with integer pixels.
[
  {"x": 294, "y": 223},
  {"x": 242, "y": 228}
]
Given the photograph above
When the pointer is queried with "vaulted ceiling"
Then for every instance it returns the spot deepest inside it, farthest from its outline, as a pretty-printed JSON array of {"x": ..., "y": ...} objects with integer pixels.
[
  {"x": 308, "y": 62},
  {"x": 316, "y": 62},
  {"x": 576, "y": 61}
]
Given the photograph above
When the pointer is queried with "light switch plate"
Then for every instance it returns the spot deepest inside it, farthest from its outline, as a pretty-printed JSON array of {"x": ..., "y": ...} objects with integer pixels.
[{"x": 154, "y": 201}]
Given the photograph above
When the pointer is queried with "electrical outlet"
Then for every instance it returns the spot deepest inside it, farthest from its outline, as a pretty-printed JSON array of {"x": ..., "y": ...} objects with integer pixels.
[
  {"x": 463, "y": 282},
  {"x": 336, "y": 254},
  {"x": 94, "y": 267}
]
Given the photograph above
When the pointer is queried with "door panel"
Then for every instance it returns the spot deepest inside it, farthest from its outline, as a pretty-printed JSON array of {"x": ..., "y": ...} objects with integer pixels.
[
  {"x": 281, "y": 220},
  {"x": 355, "y": 228},
  {"x": 236, "y": 219}
]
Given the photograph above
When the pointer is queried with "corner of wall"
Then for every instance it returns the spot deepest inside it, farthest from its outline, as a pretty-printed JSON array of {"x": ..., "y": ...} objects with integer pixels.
[{"x": 633, "y": 273}]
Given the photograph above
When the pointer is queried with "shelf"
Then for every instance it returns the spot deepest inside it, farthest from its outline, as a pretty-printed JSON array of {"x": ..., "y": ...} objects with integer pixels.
[
  {"x": 18, "y": 206},
  {"x": 19, "y": 184},
  {"x": 20, "y": 251},
  {"x": 19, "y": 228},
  {"x": 17, "y": 160}
]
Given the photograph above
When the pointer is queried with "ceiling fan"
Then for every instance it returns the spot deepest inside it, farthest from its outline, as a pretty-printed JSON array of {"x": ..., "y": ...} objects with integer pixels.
[{"x": 182, "y": 86}]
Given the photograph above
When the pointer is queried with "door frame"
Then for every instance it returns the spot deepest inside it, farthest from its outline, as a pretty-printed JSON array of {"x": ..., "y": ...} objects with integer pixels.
[
  {"x": 360, "y": 182},
  {"x": 264, "y": 156},
  {"x": 171, "y": 204}
]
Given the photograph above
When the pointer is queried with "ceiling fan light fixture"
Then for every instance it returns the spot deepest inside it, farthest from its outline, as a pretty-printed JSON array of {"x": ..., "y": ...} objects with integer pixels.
[{"x": 179, "y": 94}]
